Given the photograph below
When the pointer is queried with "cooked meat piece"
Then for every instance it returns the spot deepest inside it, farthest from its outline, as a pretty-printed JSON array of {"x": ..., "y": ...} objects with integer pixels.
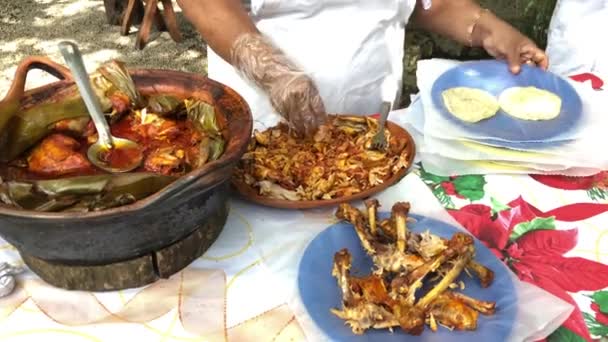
[{"x": 58, "y": 155}]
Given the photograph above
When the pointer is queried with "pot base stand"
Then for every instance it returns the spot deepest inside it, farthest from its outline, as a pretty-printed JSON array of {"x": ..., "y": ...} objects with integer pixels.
[{"x": 136, "y": 272}]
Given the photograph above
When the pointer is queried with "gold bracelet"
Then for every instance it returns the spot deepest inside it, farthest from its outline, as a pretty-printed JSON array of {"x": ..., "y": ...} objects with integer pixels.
[{"x": 473, "y": 25}]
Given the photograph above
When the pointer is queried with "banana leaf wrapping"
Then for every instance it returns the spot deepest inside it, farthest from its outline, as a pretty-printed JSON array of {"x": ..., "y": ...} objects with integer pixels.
[
  {"x": 83, "y": 193},
  {"x": 116, "y": 91},
  {"x": 164, "y": 105},
  {"x": 20, "y": 130},
  {"x": 213, "y": 124}
]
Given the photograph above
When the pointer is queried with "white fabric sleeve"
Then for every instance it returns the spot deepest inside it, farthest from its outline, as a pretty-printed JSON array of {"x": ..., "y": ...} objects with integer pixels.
[
  {"x": 573, "y": 43},
  {"x": 255, "y": 6}
]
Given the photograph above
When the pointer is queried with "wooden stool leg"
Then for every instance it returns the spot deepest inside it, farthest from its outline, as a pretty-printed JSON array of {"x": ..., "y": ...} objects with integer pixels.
[
  {"x": 114, "y": 11},
  {"x": 127, "y": 19},
  {"x": 171, "y": 20},
  {"x": 158, "y": 20},
  {"x": 144, "y": 32}
]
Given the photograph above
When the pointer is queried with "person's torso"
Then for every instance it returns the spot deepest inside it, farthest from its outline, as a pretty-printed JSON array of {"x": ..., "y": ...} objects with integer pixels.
[{"x": 349, "y": 47}]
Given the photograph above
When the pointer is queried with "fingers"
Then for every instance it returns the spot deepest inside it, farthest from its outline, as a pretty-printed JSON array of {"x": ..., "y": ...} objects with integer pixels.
[
  {"x": 297, "y": 99},
  {"x": 530, "y": 52},
  {"x": 314, "y": 116},
  {"x": 514, "y": 61}
]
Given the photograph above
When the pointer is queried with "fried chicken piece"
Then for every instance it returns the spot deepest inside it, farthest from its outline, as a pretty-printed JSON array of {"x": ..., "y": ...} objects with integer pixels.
[
  {"x": 428, "y": 246},
  {"x": 407, "y": 284},
  {"x": 58, "y": 155},
  {"x": 366, "y": 302},
  {"x": 453, "y": 313},
  {"x": 372, "y": 212},
  {"x": 387, "y": 298},
  {"x": 410, "y": 318},
  {"x": 484, "y": 274},
  {"x": 400, "y": 211},
  {"x": 362, "y": 299},
  {"x": 364, "y": 316},
  {"x": 465, "y": 253},
  {"x": 482, "y": 306},
  {"x": 387, "y": 257}
]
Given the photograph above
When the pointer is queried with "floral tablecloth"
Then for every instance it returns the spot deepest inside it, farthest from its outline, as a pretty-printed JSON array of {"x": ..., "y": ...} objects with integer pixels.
[{"x": 551, "y": 231}]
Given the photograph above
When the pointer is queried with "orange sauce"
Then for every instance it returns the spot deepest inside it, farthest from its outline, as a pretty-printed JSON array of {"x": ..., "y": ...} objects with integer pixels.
[
  {"x": 121, "y": 157},
  {"x": 172, "y": 133}
]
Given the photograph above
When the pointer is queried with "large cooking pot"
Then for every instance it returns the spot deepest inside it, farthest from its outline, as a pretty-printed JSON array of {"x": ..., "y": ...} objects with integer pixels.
[{"x": 198, "y": 199}]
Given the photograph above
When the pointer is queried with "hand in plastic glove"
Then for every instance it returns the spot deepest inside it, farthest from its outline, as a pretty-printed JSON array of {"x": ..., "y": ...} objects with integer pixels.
[
  {"x": 292, "y": 93},
  {"x": 503, "y": 41}
]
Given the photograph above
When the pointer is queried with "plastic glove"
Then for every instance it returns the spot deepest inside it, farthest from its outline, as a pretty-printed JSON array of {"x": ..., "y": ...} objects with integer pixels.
[
  {"x": 292, "y": 93},
  {"x": 503, "y": 41}
]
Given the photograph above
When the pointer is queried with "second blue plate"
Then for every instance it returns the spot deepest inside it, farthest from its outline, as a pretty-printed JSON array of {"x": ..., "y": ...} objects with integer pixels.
[{"x": 319, "y": 291}]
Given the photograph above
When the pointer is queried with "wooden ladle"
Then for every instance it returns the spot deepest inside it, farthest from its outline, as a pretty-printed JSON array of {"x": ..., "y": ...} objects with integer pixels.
[{"x": 108, "y": 153}]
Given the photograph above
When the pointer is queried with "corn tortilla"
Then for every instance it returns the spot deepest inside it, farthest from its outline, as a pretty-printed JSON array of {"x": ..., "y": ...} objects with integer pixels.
[
  {"x": 530, "y": 103},
  {"x": 470, "y": 104}
]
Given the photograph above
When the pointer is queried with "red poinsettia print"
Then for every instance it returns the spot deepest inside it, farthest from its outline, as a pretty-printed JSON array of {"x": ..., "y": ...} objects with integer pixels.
[
  {"x": 526, "y": 240},
  {"x": 571, "y": 183},
  {"x": 596, "y": 82},
  {"x": 450, "y": 189},
  {"x": 596, "y": 185}
]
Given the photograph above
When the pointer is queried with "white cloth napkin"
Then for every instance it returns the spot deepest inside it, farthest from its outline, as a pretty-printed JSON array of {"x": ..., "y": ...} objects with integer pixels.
[{"x": 454, "y": 154}]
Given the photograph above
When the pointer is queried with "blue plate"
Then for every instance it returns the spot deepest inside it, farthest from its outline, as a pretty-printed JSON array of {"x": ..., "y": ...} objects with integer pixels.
[
  {"x": 494, "y": 77},
  {"x": 319, "y": 291}
]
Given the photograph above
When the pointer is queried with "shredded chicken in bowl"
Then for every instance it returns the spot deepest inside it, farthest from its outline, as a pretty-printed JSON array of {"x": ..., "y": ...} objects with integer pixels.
[{"x": 338, "y": 162}]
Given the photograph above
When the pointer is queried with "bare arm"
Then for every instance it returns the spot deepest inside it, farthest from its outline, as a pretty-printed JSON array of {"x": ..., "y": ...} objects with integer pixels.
[
  {"x": 450, "y": 18},
  {"x": 466, "y": 22},
  {"x": 219, "y": 22}
]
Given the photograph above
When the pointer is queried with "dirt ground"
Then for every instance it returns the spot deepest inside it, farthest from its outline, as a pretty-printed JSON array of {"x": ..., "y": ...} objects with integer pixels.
[{"x": 35, "y": 27}]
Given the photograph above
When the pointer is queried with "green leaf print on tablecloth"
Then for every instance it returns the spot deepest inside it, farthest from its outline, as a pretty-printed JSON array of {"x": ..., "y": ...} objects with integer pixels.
[
  {"x": 564, "y": 335},
  {"x": 538, "y": 223},
  {"x": 470, "y": 187},
  {"x": 597, "y": 321},
  {"x": 435, "y": 182},
  {"x": 597, "y": 194},
  {"x": 601, "y": 299},
  {"x": 595, "y": 327},
  {"x": 497, "y": 206}
]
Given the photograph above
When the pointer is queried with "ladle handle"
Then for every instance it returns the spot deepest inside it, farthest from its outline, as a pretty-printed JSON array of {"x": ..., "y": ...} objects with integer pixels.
[{"x": 73, "y": 59}]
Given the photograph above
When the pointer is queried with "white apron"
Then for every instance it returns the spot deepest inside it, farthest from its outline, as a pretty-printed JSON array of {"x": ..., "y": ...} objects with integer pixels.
[{"x": 351, "y": 49}]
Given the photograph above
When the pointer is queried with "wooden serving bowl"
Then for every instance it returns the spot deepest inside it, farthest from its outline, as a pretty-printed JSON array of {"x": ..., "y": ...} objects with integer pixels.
[{"x": 252, "y": 194}]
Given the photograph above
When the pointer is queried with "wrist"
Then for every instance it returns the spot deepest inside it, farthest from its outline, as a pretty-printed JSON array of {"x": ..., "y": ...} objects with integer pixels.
[
  {"x": 480, "y": 28},
  {"x": 259, "y": 60}
]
